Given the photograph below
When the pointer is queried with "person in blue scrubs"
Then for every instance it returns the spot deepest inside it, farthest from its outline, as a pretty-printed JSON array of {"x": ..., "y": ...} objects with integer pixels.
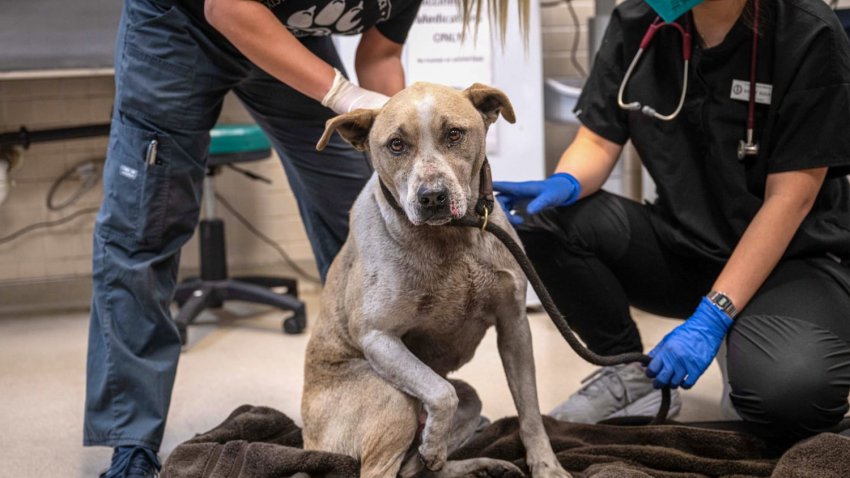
[
  {"x": 753, "y": 252},
  {"x": 174, "y": 62}
]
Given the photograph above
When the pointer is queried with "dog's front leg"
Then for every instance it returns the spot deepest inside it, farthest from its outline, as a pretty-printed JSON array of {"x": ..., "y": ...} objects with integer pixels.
[
  {"x": 514, "y": 341},
  {"x": 393, "y": 361}
]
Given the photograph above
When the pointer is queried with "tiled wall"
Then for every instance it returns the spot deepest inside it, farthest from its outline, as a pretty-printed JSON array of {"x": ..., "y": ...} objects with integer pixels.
[
  {"x": 558, "y": 32},
  {"x": 65, "y": 251}
]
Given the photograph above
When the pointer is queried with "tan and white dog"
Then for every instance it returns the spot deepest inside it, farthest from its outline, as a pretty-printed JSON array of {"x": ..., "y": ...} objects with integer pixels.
[{"x": 408, "y": 299}]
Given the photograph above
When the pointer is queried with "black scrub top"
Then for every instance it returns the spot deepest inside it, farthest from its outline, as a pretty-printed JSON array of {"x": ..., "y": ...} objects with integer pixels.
[
  {"x": 704, "y": 191},
  {"x": 393, "y": 18}
]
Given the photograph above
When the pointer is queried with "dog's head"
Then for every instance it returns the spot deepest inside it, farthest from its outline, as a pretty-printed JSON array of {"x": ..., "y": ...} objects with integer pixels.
[{"x": 427, "y": 145}]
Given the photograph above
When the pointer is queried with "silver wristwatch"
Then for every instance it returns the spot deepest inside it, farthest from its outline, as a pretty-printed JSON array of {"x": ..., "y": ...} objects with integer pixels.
[{"x": 722, "y": 302}]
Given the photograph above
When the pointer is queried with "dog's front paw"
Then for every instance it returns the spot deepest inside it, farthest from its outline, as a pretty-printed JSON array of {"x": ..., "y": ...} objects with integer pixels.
[
  {"x": 433, "y": 456},
  {"x": 548, "y": 469},
  {"x": 491, "y": 468}
]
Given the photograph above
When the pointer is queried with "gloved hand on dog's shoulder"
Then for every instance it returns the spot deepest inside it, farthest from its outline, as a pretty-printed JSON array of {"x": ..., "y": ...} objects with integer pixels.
[
  {"x": 559, "y": 189},
  {"x": 685, "y": 353},
  {"x": 345, "y": 97}
]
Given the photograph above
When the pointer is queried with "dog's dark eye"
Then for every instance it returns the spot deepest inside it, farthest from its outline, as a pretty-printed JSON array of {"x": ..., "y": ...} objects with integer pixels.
[
  {"x": 454, "y": 136},
  {"x": 396, "y": 146}
]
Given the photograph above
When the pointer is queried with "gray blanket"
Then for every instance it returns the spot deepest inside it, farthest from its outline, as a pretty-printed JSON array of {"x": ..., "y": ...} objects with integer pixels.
[{"x": 255, "y": 442}]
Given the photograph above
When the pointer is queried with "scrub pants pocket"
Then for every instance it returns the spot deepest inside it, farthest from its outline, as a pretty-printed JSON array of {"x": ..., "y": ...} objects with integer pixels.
[
  {"x": 157, "y": 61},
  {"x": 136, "y": 192}
]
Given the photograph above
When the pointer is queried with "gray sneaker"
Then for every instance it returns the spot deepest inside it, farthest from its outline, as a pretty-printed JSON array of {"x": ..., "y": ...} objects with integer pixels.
[{"x": 615, "y": 391}]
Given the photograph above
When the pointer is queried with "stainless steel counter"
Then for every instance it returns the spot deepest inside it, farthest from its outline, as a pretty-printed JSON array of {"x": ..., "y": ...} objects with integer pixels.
[{"x": 44, "y": 38}]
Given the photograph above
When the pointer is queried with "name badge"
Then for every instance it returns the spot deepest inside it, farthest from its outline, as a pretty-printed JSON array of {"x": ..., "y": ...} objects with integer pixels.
[{"x": 741, "y": 92}]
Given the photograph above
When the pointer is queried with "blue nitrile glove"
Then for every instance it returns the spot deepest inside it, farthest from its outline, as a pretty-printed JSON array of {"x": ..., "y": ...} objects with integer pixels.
[
  {"x": 559, "y": 189},
  {"x": 685, "y": 353}
]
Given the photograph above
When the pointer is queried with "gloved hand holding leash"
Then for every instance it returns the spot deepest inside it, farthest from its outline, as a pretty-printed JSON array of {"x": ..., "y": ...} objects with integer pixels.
[{"x": 685, "y": 353}]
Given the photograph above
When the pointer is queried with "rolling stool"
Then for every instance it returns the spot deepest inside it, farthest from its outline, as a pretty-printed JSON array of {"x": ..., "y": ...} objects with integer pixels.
[{"x": 232, "y": 144}]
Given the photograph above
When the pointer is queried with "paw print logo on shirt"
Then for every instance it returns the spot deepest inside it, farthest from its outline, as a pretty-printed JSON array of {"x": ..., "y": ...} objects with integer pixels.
[{"x": 332, "y": 17}]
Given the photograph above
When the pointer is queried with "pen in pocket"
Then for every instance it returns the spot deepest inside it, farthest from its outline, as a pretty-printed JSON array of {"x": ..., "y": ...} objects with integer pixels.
[{"x": 150, "y": 156}]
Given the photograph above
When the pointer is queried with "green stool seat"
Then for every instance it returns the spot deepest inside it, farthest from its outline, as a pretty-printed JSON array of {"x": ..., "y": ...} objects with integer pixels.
[{"x": 238, "y": 143}]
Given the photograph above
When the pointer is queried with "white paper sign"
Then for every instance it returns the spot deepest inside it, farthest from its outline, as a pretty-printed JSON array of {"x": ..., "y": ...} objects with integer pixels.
[{"x": 437, "y": 52}]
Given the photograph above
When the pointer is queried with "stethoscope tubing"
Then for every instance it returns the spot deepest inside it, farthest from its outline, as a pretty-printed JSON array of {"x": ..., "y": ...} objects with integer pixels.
[
  {"x": 687, "y": 48},
  {"x": 646, "y": 109},
  {"x": 746, "y": 147}
]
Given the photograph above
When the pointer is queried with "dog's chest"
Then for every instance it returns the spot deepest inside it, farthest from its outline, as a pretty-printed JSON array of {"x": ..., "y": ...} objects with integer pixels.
[{"x": 452, "y": 316}]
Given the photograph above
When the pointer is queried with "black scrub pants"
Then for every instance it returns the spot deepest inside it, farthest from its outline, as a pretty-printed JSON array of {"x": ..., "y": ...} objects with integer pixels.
[{"x": 788, "y": 353}]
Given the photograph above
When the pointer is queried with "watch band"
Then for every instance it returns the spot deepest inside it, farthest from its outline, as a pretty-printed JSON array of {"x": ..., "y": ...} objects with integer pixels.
[{"x": 723, "y": 302}]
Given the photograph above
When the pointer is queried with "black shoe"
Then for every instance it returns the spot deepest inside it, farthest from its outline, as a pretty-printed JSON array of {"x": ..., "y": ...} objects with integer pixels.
[{"x": 133, "y": 462}]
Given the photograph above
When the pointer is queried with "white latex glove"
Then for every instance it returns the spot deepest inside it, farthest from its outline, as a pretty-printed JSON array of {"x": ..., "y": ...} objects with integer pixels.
[{"x": 345, "y": 97}]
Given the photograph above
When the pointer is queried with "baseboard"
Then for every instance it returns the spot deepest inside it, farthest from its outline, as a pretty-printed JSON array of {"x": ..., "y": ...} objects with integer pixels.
[{"x": 73, "y": 293}]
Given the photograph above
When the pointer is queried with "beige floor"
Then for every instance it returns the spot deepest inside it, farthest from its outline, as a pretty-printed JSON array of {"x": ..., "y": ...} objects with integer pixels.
[{"x": 42, "y": 382}]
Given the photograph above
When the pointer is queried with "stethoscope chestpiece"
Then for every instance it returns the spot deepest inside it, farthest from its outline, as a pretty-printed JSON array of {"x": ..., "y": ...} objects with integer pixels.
[{"x": 747, "y": 148}]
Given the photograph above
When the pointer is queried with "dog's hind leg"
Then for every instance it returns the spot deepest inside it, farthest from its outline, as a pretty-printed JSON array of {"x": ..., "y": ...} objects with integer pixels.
[
  {"x": 390, "y": 420},
  {"x": 362, "y": 415}
]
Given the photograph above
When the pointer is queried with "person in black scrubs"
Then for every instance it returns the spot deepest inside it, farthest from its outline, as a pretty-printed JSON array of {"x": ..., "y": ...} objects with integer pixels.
[{"x": 753, "y": 252}]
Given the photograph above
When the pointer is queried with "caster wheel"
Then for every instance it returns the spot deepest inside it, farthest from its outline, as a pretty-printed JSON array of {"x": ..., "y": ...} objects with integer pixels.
[{"x": 295, "y": 324}]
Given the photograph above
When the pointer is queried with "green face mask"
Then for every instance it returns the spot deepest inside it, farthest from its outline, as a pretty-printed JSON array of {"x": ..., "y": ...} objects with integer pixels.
[{"x": 669, "y": 10}]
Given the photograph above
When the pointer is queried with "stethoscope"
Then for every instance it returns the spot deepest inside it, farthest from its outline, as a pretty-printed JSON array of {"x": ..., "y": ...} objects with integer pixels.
[{"x": 745, "y": 147}]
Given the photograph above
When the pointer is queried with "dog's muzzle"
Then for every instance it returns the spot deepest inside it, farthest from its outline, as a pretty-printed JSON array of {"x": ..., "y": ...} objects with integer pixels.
[{"x": 433, "y": 202}]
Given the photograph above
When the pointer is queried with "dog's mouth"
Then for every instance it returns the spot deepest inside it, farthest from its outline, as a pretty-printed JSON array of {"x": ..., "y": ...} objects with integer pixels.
[
  {"x": 438, "y": 221},
  {"x": 436, "y": 216}
]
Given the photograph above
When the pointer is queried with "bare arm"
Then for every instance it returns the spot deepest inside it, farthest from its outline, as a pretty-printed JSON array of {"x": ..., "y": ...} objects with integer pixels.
[
  {"x": 590, "y": 158},
  {"x": 378, "y": 63},
  {"x": 788, "y": 199},
  {"x": 260, "y": 36}
]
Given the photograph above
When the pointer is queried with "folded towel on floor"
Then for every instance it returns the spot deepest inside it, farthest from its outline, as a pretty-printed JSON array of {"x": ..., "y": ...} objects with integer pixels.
[
  {"x": 255, "y": 442},
  {"x": 827, "y": 454}
]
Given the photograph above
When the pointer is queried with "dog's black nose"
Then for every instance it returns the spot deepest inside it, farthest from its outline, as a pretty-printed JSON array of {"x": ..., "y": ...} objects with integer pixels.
[{"x": 433, "y": 197}]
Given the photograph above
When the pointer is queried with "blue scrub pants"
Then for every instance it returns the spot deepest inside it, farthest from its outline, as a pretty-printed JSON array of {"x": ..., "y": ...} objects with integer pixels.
[{"x": 172, "y": 72}]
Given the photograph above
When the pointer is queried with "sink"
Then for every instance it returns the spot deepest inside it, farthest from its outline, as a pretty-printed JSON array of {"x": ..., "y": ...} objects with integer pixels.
[{"x": 559, "y": 99}]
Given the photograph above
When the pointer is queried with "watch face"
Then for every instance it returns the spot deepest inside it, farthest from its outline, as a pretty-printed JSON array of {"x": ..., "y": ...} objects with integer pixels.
[{"x": 723, "y": 303}]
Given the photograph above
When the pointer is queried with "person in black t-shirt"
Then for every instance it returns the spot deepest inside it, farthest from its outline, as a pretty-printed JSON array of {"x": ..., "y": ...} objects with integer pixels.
[
  {"x": 753, "y": 251},
  {"x": 175, "y": 60}
]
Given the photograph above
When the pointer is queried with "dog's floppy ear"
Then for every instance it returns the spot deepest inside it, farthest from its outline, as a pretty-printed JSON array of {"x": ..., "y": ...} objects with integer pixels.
[
  {"x": 353, "y": 127},
  {"x": 490, "y": 102}
]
